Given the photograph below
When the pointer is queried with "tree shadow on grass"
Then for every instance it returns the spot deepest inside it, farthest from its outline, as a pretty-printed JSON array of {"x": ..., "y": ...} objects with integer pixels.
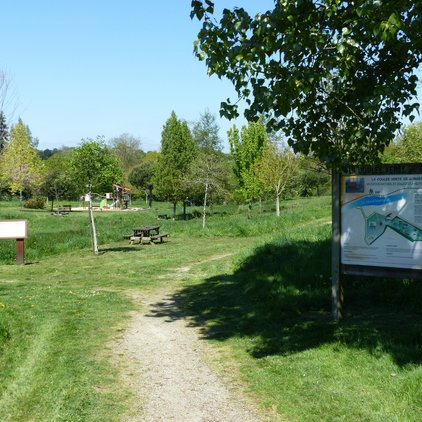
[
  {"x": 105, "y": 249},
  {"x": 279, "y": 298}
]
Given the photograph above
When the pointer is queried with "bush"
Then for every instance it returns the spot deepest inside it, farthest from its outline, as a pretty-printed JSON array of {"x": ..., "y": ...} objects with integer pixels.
[{"x": 37, "y": 203}]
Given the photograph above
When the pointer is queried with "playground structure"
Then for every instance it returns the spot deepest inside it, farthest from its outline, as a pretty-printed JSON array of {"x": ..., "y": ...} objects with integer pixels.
[{"x": 119, "y": 198}]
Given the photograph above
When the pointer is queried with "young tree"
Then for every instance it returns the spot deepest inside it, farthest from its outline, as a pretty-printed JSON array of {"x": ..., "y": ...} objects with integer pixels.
[
  {"x": 177, "y": 152},
  {"x": 277, "y": 170},
  {"x": 335, "y": 76},
  {"x": 210, "y": 173},
  {"x": 94, "y": 166},
  {"x": 205, "y": 132},
  {"x": 246, "y": 149},
  {"x": 20, "y": 166}
]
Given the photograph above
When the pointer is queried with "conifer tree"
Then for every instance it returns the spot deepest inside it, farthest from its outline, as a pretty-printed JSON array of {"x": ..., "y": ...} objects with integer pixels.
[
  {"x": 177, "y": 152},
  {"x": 4, "y": 132}
]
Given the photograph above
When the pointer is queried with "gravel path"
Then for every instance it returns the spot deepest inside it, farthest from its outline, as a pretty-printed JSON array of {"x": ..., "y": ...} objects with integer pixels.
[{"x": 166, "y": 369}]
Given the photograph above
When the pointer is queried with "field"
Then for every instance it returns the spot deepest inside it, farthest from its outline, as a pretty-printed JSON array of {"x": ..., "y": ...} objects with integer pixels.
[{"x": 264, "y": 306}]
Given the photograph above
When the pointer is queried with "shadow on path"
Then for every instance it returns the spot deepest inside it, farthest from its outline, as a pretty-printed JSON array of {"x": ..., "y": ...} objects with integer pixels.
[{"x": 279, "y": 298}]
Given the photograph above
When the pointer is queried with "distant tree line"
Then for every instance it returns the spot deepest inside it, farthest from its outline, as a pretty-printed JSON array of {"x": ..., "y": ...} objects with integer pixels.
[{"x": 191, "y": 166}]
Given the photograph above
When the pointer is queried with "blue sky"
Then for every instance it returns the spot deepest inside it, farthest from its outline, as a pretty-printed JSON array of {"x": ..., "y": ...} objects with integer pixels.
[{"x": 82, "y": 68}]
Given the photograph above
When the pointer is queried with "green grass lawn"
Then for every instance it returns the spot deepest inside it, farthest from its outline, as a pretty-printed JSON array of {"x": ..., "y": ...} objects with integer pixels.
[{"x": 264, "y": 304}]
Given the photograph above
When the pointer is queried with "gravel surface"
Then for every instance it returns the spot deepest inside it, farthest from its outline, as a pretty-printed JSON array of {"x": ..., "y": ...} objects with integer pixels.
[{"x": 165, "y": 367}]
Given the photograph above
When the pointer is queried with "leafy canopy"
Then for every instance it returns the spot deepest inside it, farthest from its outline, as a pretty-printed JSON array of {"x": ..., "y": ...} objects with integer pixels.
[
  {"x": 247, "y": 148},
  {"x": 94, "y": 166},
  {"x": 20, "y": 166},
  {"x": 334, "y": 75}
]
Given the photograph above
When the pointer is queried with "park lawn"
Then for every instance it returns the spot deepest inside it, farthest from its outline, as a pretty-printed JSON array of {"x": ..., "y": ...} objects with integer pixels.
[{"x": 264, "y": 304}]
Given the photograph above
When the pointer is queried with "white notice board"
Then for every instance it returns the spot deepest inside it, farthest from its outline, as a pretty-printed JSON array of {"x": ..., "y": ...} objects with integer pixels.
[
  {"x": 13, "y": 229},
  {"x": 381, "y": 220}
]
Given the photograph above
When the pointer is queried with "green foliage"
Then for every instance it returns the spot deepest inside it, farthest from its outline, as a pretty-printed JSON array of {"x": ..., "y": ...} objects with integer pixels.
[
  {"x": 94, "y": 166},
  {"x": 277, "y": 171},
  {"x": 335, "y": 76},
  {"x": 141, "y": 176},
  {"x": 314, "y": 177},
  {"x": 127, "y": 149},
  {"x": 20, "y": 166},
  {"x": 37, "y": 203},
  {"x": 177, "y": 152},
  {"x": 58, "y": 181},
  {"x": 407, "y": 148},
  {"x": 205, "y": 132},
  {"x": 246, "y": 149}
]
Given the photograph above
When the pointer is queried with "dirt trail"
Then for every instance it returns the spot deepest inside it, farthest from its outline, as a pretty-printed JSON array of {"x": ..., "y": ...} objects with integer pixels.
[{"x": 165, "y": 367}]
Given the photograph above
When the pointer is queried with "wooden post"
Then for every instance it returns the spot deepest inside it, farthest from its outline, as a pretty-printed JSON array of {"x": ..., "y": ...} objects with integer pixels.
[
  {"x": 20, "y": 251},
  {"x": 336, "y": 277}
]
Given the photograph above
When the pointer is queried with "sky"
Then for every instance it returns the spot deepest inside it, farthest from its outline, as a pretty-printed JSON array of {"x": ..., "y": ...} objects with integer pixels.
[{"x": 87, "y": 68}]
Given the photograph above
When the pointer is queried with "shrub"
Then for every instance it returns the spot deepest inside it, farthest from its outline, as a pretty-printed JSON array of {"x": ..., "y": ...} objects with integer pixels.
[{"x": 37, "y": 203}]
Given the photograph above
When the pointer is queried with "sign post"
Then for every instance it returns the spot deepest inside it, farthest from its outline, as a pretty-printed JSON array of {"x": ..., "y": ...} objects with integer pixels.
[
  {"x": 15, "y": 229},
  {"x": 336, "y": 276}
]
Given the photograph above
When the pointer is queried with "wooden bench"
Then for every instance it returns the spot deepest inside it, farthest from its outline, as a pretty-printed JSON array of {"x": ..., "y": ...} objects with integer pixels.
[
  {"x": 160, "y": 236},
  {"x": 63, "y": 210},
  {"x": 140, "y": 239}
]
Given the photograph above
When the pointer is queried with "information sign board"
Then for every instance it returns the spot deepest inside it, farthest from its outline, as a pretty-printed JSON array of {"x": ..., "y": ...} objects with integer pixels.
[
  {"x": 381, "y": 219},
  {"x": 13, "y": 229}
]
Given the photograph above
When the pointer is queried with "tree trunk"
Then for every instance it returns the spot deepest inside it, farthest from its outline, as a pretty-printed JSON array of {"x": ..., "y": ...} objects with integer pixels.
[
  {"x": 204, "y": 210},
  {"x": 20, "y": 198},
  {"x": 150, "y": 199},
  {"x": 174, "y": 210},
  {"x": 184, "y": 210},
  {"x": 277, "y": 205}
]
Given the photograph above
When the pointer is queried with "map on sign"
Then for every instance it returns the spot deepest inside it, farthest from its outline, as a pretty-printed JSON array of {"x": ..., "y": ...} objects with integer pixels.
[
  {"x": 382, "y": 221},
  {"x": 376, "y": 225}
]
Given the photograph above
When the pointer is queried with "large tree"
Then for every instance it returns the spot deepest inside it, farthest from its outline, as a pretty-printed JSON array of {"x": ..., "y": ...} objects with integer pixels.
[
  {"x": 335, "y": 76},
  {"x": 178, "y": 150},
  {"x": 20, "y": 166}
]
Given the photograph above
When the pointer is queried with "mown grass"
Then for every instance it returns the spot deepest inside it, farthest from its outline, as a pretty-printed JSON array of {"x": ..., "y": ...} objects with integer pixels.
[{"x": 264, "y": 301}]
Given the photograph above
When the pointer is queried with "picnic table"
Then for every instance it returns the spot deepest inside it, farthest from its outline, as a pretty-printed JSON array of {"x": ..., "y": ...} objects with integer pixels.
[{"x": 146, "y": 234}]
